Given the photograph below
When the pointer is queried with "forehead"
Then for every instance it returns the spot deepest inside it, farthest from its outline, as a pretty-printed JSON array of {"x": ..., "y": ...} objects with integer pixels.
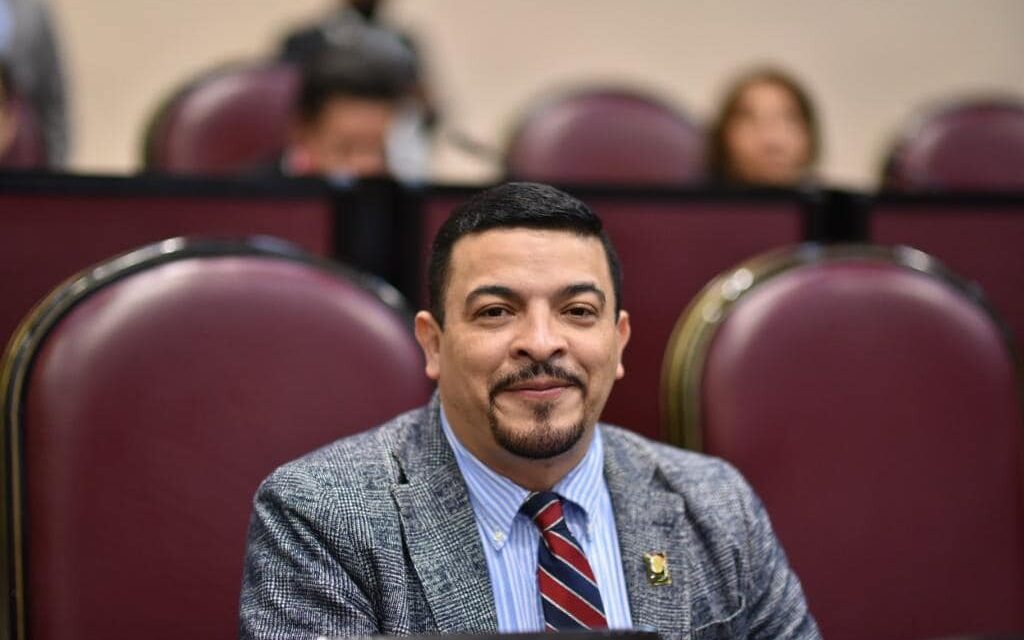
[
  {"x": 766, "y": 93},
  {"x": 527, "y": 258},
  {"x": 354, "y": 112}
]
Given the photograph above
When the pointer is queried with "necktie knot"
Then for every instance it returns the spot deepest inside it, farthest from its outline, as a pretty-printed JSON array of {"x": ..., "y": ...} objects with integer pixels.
[
  {"x": 545, "y": 509},
  {"x": 568, "y": 589}
]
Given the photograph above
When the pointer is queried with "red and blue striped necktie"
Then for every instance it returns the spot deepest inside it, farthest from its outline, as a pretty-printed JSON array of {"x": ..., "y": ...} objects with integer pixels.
[{"x": 568, "y": 590}]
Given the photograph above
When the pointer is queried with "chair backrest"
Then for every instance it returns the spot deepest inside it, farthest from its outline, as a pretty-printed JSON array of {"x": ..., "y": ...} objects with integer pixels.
[
  {"x": 605, "y": 136},
  {"x": 27, "y": 149},
  {"x": 873, "y": 403},
  {"x": 225, "y": 121},
  {"x": 967, "y": 145},
  {"x": 144, "y": 401}
]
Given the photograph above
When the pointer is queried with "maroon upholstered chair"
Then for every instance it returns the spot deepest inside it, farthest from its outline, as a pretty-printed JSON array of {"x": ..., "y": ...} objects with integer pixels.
[
  {"x": 28, "y": 148},
  {"x": 144, "y": 401},
  {"x": 873, "y": 402},
  {"x": 605, "y": 136},
  {"x": 968, "y": 145},
  {"x": 226, "y": 121}
]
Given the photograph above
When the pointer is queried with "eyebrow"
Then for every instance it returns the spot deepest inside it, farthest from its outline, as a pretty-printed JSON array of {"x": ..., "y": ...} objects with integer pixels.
[
  {"x": 495, "y": 290},
  {"x": 507, "y": 293},
  {"x": 584, "y": 287}
]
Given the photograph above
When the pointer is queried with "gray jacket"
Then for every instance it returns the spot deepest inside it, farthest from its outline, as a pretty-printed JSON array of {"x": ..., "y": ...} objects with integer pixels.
[{"x": 374, "y": 534}]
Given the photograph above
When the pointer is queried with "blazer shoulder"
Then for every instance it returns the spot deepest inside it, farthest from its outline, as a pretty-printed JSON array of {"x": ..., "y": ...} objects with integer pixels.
[
  {"x": 365, "y": 460},
  {"x": 711, "y": 487},
  {"x": 673, "y": 464}
]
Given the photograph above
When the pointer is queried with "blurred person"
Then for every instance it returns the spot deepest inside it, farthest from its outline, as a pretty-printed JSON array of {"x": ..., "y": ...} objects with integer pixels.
[
  {"x": 765, "y": 134},
  {"x": 7, "y": 116},
  {"x": 29, "y": 43},
  {"x": 334, "y": 30},
  {"x": 351, "y": 116},
  {"x": 308, "y": 41}
]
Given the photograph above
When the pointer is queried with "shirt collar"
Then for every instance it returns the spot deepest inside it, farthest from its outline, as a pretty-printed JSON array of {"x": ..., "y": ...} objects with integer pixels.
[{"x": 496, "y": 499}]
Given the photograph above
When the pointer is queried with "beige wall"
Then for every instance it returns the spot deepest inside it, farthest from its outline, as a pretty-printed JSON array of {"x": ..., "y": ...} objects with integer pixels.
[{"x": 867, "y": 62}]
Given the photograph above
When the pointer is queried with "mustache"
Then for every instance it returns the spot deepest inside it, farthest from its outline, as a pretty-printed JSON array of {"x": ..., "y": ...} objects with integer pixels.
[{"x": 536, "y": 370}]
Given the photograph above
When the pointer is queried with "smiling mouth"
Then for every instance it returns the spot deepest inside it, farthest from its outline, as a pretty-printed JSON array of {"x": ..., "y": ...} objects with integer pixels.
[
  {"x": 539, "y": 381},
  {"x": 540, "y": 389}
]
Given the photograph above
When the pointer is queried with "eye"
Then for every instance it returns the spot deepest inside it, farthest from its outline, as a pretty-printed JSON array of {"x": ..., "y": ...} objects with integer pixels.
[
  {"x": 581, "y": 312},
  {"x": 493, "y": 312}
]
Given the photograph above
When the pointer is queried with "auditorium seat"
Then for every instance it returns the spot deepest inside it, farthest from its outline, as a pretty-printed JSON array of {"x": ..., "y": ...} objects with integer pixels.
[
  {"x": 872, "y": 400},
  {"x": 146, "y": 398},
  {"x": 226, "y": 121},
  {"x": 27, "y": 149},
  {"x": 605, "y": 135},
  {"x": 975, "y": 145}
]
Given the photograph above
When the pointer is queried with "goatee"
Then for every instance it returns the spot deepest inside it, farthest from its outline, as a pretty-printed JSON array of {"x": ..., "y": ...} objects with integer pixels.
[{"x": 543, "y": 440}]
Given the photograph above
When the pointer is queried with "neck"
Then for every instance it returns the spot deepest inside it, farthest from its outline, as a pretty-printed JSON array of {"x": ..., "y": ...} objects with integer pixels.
[{"x": 532, "y": 474}]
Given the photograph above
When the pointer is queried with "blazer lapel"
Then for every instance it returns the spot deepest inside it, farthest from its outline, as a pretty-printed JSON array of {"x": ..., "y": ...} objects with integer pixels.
[
  {"x": 441, "y": 533},
  {"x": 648, "y": 519}
]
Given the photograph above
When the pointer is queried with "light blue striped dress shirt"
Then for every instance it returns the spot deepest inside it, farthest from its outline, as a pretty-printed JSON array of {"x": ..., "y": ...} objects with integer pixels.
[{"x": 510, "y": 539}]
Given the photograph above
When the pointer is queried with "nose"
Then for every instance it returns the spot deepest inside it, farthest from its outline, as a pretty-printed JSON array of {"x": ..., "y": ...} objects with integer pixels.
[{"x": 539, "y": 337}]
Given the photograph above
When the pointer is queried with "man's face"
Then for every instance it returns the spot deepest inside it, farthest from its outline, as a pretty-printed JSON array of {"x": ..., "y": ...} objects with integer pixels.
[
  {"x": 767, "y": 138},
  {"x": 531, "y": 344},
  {"x": 348, "y": 138}
]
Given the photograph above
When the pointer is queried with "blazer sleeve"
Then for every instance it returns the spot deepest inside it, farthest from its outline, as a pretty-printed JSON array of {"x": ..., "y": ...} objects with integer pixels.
[
  {"x": 294, "y": 585},
  {"x": 777, "y": 607}
]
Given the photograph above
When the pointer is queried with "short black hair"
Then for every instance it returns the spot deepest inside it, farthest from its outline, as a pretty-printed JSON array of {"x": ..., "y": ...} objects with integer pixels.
[
  {"x": 515, "y": 205},
  {"x": 363, "y": 62}
]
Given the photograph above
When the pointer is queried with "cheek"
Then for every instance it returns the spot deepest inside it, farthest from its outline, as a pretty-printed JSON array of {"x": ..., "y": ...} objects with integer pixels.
[
  {"x": 802, "y": 145},
  {"x": 602, "y": 361},
  {"x": 741, "y": 140},
  {"x": 471, "y": 362}
]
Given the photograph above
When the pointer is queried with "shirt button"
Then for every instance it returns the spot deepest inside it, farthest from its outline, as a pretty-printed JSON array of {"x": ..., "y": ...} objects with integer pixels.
[{"x": 498, "y": 536}]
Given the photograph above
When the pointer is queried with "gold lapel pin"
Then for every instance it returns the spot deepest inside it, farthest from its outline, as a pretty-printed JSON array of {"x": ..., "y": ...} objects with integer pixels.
[{"x": 656, "y": 563}]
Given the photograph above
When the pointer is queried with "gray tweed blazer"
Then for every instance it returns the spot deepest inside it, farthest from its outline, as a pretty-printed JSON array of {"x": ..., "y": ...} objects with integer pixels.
[{"x": 374, "y": 534}]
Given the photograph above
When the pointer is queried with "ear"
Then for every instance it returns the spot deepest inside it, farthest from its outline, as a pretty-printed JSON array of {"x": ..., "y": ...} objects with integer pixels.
[
  {"x": 623, "y": 332},
  {"x": 428, "y": 334}
]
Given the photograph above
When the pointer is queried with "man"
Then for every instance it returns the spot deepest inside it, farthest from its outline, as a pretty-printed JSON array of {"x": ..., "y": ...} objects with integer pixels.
[
  {"x": 334, "y": 29},
  {"x": 355, "y": 116},
  {"x": 504, "y": 504}
]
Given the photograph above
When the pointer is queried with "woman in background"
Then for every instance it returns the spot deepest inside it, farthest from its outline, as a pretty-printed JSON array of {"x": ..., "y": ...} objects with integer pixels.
[{"x": 766, "y": 133}]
